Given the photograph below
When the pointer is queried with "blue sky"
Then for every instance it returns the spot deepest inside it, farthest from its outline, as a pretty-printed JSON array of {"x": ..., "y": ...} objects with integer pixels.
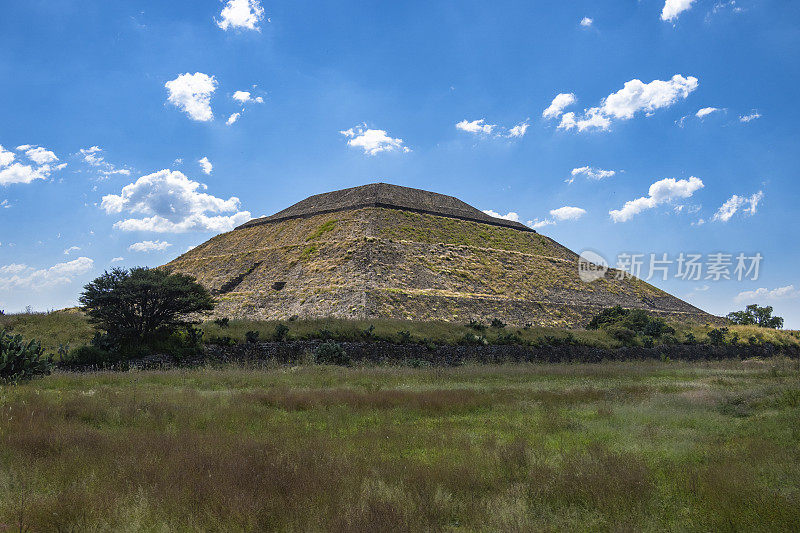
[{"x": 107, "y": 109}]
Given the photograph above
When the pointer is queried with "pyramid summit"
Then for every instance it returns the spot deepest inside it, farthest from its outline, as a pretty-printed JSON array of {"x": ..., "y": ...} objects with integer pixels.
[
  {"x": 385, "y": 251},
  {"x": 386, "y": 196}
]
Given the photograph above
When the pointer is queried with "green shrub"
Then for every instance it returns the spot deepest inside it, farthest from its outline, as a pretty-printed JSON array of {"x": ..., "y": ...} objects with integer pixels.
[
  {"x": 281, "y": 332},
  {"x": 222, "y": 322},
  {"x": 498, "y": 324},
  {"x": 625, "y": 335},
  {"x": 331, "y": 353},
  {"x": 251, "y": 337},
  {"x": 717, "y": 335},
  {"x": 405, "y": 336},
  {"x": 476, "y": 325},
  {"x": 20, "y": 361},
  {"x": 88, "y": 355},
  {"x": 472, "y": 339},
  {"x": 637, "y": 320},
  {"x": 225, "y": 340}
]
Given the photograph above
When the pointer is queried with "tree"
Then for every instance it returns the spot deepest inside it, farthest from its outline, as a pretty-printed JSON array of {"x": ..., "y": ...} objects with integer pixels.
[
  {"x": 758, "y": 316},
  {"x": 135, "y": 304}
]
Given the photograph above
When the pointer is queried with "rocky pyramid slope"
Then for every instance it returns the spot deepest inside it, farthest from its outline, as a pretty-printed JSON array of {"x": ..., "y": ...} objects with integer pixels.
[{"x": 384, "y": 251}]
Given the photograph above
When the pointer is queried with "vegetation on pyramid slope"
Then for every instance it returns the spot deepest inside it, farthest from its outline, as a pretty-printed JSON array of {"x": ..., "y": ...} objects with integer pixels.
[{"x": 377, "y": 262}]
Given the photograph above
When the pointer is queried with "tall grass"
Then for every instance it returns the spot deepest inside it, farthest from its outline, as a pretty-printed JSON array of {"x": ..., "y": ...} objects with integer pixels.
[{"x": 618, "y": 446}]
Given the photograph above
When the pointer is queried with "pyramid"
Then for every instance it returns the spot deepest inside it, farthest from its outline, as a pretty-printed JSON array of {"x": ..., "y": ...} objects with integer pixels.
[{"x": 386, "y": 251}]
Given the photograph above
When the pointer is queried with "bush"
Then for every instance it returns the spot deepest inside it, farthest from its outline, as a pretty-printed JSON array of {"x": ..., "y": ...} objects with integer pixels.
[
  {"x": 498, "y": 324},
  {"x": 717, "y": 335},
  {"x": 331, "y": 353},
  {"x": 405, "y": 336},
  {"x": 625, "y": 335},
  {"x": 281, "y": 332},
  {"x": 20, "y": 361},
  {"x": 89, "y": 355},
  {"x": 472, "y": 339},
  {"x": 476, "y": 325},
  {"x": 251, "y": 337},
  {"x": 637, "y": 320},
  {"x": 222, "y": 322}
]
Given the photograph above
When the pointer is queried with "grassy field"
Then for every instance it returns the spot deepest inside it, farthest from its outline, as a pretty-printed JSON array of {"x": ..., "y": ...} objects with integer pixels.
[{"x": 646, "y": 446}]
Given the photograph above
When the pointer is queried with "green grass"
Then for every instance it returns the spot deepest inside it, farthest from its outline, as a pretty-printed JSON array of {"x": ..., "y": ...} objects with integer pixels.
[
  {"x": 70, "y": 327},
  {"x": 642, "y": 446}
]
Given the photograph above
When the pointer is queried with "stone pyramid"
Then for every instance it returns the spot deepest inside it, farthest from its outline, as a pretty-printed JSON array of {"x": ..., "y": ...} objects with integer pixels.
[{"x": 385, "y": 251}]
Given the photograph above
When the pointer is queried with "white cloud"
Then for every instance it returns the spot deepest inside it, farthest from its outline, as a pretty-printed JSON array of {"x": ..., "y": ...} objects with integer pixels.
[
  {"x": 117, "y": 259},
  {"x": 509, "y": 216},
  {"x": 750, "y": 117},
  {"x": 94, "y": 157},
  {"x": 243, "y": 97},
  {"x": 241, "y": 14},
  {"x": 518, "y": 130},
  {"x": 41, "y": 156},
  {"x": 781, "y": 293},
  {"x": 567, "y": 213},
  {"x": 22, "y": 276},
  {"x": 6, "y": 157},
  {"x": 172, "y": 203},
  {"x": 635, "y": 96},
  {"x": 476, "y": 126},
  {"x": 735, "y": 202},
  {"x": 704, "y": 112},
  {"x": 205, "y": 165},
  {"x": 536, "y": 223},
  {"x": 149, "y": 246},
  {"x": 72, "y": 249},
  {"x": 660, "y": 192},
  {"x": 191, "y": 93},
  {"x": 373, "y": 141},
  {"x": 559, "y": 103},
  {"x": 591, "y": 173},
  {"x": 479, "y": 127},
  {"x": 673, "y": 8},
  {"x": 233, "y": 118},
  {"x": 586, "y": 22}
]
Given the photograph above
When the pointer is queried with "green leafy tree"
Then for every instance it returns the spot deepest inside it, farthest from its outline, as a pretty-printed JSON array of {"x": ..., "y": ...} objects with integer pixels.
[
  {"x": 756, "y": 316},
  {"x": 135, "y": 304}
]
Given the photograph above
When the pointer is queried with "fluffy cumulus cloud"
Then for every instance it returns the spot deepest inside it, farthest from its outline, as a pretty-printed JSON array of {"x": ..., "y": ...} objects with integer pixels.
[
  {"x": 17, "y": 276},
  {"x": 244, "y": 97},
  {"x": 475, "y": 126},
  {"x": 205, "y": 165},
  {"x": 233, "y": 118},
  {"x": 557, "y": 106},
  {"x": 567, "y": 213},
  {"x": 41, "y": 156},
  {"x": 16, "y": 172},
  {"x": 509, "y": 216},
  {"x": 747, "y": 204},
  {"x": 479, "y": 127},
  {"x": 191, "y": 93},
  {"x": 660, "y": 192},
  {"x": 149, "y": 246},
  {"x": 673, "y": 8},
  {"x": 95, "y": 158},
  {"x": 169, "y": 202},
  {"x": 558, "y": 215},
  {"x": 591, "y": 173},
  {"x": 586, "y": 22},
  {"x": 634, "y": 97},
  {"x": 241, "y": 15},
  {"x": 373, "y": 141},
  {"x": 704, "y": 112},
  {"x": 762, "y": 294}
]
